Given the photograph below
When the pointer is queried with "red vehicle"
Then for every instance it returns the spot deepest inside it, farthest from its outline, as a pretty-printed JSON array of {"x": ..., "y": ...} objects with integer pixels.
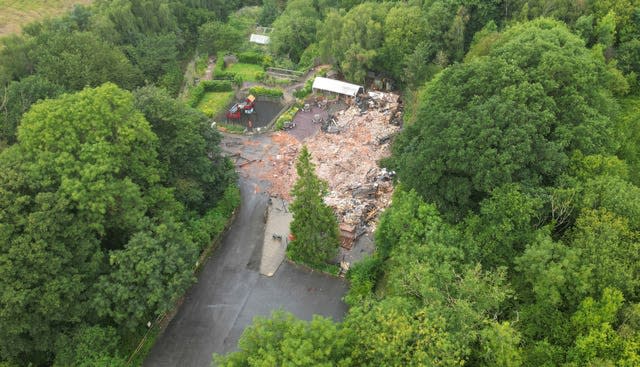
[
  {"x": 234, "y": 113},
  {"x": 247, "y": 106}
]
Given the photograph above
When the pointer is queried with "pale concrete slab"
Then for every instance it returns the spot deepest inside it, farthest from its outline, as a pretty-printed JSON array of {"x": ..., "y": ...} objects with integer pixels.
[{"x": 276, "y": 234}]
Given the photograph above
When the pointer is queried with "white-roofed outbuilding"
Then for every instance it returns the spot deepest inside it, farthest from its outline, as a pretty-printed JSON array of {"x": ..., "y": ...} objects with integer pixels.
[{"x": 337, "y": 86}]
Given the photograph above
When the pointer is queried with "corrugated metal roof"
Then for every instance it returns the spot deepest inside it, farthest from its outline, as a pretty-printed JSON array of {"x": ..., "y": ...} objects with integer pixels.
[
  {"x": 260, "y": 39},
  {"x": 336, "y": 86}
]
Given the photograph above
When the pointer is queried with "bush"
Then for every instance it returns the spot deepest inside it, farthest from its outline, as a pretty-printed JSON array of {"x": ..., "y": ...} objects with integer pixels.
[
  {"x": 195, "y": 95},
  {"x": 220, "y": 66},
  {"x": 217, "y": 86},
  {"x": 267, "y": 61},
  {"x": 305, "y": 91},
  {"x": 251, "y": 57},
  {"x": 206, "y": 229},
  {"x": 237, "y": 80},
  {"x": 309, "y": 57},
  {"x": 363, "y": 277},
  {"x": 89, "y": 346},
  {"x": 266, "y": 92},
  {"x": 287, "y": 116}
]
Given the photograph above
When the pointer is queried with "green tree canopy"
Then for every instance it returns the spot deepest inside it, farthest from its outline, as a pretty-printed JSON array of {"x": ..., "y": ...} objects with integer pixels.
[
  {"x": 294, "y": 29},
  {"x": 18, "y": 98},
  {"x": 81, "y": 59},
  {"x": 217, "y": 37},
  {"x": 87, "y": 232},
  {"x": 188, "y": 149},
  {"x": 514, "y": 115},
  {"x": 284, "y": 340}
]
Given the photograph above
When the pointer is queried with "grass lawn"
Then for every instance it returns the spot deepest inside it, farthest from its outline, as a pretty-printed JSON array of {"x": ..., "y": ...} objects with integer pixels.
[
  {"x": 16, "y": 13},
  {"x": 213, "y": 103},
  {"x": 247, "y": 71}
]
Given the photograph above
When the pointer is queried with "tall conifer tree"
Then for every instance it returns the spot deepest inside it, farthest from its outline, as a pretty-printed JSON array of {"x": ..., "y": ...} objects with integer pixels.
[{"x": 314, "y": 224}]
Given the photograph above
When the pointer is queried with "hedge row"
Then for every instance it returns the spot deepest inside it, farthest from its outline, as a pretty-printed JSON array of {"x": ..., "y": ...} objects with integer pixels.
[
  {"x": 287, "y": 116},
  {"x": 207, "y": 228},
  {"x": 302, "y": 93},
  {"x": 205, "y": 86},
  {"x": 266, "y": 92},
  {"x": 256, "y": 58}
]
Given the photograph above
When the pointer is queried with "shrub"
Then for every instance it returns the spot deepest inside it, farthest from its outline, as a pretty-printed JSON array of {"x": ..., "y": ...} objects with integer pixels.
[
  {"x": 206, "y": 229},
  {"x": 251, "y": 57},
  {"x": 217, "y": 86},
  {"x": 363, "y": 277},
  {"x": 305, "y": 91},
  {"x": 237, "y": 80},
  {"x": 220, "y": 66},
  {"x": 195, "y": 95},
  {"x": 287, "y": 116},
  {"x": 267, "y": 92},
  {"x": 267, "y": 61}
]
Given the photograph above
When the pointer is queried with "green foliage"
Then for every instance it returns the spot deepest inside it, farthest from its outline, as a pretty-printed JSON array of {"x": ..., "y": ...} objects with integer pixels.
[
  {"x": 354, "y": 40},
  {"x": 82, "y": 201},
  {"x": 207, "y": 228},
  {"x": 504, "y": 225},
  {"x": 404, "y": 27},
  {"x": 80, "y": 59},
  {"x": 283, "y": 340},
  {"x": 148, "y": 275},
  {"x": 213, "y": 104},
  {"x": 598, "y": 341},
  {"x": 266, "y": 92},
  {"x": 294, "y": 29},
  {"x": 314, "y": 224},
  {"x": 87, "y": 172},
  {"x": 271, "y": 9},
  {"x": 156, "y": 56},
  {"x": 198, "y": 92},
  {"x": 310, "y": 57},
  {"x": 305, "y": 91},
  {"x": 18, "y": 98},
  {"x": 216, "y": 37},
  {"x": 630, "y": 136},
  {"x": 247, "y": 72},
  {"x": 188, "y": 148},
  {"x": 393, "y": 333},
  {"x": 90, "y": 346},
  {"x": 251, "y": 57},
  {"x": 363, "y": 276},
  {"x": 15, "y": 62},
  {"x": 512, "y": 117},
  {"x": 285, "y": 117}
]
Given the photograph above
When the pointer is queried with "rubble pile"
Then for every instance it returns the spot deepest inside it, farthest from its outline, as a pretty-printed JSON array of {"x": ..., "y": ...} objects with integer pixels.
[
  {"x": 358, "y": 189},
  {"x": 280, "y": 169}
]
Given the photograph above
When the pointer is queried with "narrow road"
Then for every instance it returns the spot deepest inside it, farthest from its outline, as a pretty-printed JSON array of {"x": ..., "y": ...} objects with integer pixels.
[{"x": 230, "y": 292}]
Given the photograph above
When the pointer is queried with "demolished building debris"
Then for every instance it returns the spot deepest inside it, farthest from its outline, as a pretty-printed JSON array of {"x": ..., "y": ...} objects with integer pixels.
[{"x": 359, "y": 190}]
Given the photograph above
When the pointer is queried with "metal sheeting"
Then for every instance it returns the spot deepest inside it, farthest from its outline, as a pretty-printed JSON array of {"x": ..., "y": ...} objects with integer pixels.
[{"x": 337, "y": 86}]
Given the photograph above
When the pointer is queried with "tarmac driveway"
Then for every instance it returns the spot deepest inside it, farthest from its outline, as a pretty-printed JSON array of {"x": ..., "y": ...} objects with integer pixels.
[{"x": 230, "y": 291}]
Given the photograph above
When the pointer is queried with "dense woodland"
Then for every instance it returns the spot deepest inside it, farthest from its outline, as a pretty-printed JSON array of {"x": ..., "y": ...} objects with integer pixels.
[{"x": 512, "y": 240}]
